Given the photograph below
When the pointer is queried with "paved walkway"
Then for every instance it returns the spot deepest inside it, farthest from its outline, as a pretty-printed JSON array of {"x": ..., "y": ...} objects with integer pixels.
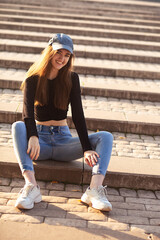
[
  {"x": 43, "y": 230},
  {"x": 133, "y": 211}
]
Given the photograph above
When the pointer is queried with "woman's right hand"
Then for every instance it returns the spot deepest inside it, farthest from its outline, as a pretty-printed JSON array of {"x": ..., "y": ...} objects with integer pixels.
[{"x": 33, "y": 147}]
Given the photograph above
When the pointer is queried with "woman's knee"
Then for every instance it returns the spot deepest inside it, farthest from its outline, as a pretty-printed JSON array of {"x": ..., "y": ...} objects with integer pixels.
[
  {"x": 107, "y": 136},
  {"x": 18, "y": 127}
]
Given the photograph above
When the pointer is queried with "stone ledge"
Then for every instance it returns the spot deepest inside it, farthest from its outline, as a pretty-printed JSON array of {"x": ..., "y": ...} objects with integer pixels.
[
  {"x": 99, "y": 91},
  {"x": 78, "y": 22},
  {"x": 101, "y": 120},
  {"x": 76, "y": 16},
  {"x": 82, "y": 69},
  {"x": 80, "y": 31},
  {"x": 84, "y": 54},
  {"x": 119, "y": 175},
  {"x": 21, "y": 35},
  {"x": 44, "y": 170}
]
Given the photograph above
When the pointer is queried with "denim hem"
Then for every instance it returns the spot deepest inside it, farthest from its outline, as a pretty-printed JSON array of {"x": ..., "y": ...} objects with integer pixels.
[
  {"x": 26, "y": 168},
  {"x": 98, "y": 173}
]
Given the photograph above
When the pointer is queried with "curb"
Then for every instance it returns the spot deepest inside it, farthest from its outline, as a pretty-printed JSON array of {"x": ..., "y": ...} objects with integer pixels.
[{"x": 75, "y": 172}]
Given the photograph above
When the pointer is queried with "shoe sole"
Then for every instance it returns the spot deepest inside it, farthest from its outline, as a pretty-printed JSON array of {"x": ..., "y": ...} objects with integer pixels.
[
  {"x": 38, "y": 200},
  {"x": 108, "y": 209},
  {"x": 22, "y": 207}
]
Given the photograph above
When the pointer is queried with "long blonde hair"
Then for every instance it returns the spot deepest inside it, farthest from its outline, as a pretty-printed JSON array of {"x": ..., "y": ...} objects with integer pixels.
[{"x": 62, "y": 88}]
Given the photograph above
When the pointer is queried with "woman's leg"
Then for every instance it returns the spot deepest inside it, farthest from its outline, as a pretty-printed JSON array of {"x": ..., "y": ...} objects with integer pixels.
[
  {"x": 29, "y": 177},
  {"x": 20, "y": 147},
  {"x": 96, "y": 181},
  {"x": 30, "y": 194},
  {"x": 20, "y": 144},
  {"x": 69, "y": 148},
  {"x": 102, "y": 142},
  {"x": 96, "y": 193}
]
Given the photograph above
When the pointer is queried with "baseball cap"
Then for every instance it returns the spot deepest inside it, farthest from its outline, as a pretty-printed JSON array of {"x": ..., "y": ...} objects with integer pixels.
[{"x": 61, "y": 40}]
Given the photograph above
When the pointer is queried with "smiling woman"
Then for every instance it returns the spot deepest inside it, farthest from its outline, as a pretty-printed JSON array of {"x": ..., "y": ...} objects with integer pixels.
[{"x": 50, "y": 86}]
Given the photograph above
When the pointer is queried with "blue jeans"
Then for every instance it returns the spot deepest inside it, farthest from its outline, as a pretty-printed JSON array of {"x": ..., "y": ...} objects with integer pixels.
[{"x": 57, "y": 143}]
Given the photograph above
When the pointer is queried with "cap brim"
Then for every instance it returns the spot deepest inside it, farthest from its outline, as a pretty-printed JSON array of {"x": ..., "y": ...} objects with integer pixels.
[{"x": 60, "y": 46}]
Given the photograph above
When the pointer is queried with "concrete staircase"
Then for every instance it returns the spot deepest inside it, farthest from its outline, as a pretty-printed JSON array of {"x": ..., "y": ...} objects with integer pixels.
[{"x": 117, "y": 47}]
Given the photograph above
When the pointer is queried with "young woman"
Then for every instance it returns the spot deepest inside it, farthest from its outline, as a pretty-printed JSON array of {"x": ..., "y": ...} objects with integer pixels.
[{"x": 49, "y": 87}]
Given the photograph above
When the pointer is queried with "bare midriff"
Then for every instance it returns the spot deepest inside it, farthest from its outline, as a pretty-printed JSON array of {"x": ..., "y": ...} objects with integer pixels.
[{"x": 53, "y": 123}]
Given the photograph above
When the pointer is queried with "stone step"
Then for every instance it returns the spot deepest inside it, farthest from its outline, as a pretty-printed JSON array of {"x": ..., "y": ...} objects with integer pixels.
[
  {"x": 105, "y": 42},
  {"x": 88, "y": 66},
  {"x": 87, "y": 31},
  {"x": 101, "y": 113},
  {"x": 133, "y": 6},
  {"x": 84, "y": 51},
  {"x": 107, "y": 11},
  {"x": 124, "y": 144},
  {"x": 82, "y": 23},
  {"x": 101, "y": 86},
  {"x": 79, "y": 17},
  {"x": 122, "y": 172}
]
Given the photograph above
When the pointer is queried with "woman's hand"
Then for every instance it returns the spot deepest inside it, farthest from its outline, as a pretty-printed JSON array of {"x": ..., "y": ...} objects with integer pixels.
[
  {"x": 33, "y": 147},
  {"x": 91, "y": 157}
]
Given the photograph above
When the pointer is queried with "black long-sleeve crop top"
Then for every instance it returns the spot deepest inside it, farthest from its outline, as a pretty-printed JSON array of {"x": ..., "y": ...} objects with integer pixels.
[{"x": 50, "y": 112}]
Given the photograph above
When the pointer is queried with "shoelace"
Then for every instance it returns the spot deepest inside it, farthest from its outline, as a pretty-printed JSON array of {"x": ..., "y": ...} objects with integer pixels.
[
  {"x": 26, "y": 190},
  {"x": 103, "y": 192}
]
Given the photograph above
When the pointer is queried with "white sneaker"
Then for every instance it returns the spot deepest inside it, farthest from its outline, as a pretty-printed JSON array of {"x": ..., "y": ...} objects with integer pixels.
[
  {"x": 28, "y": 196},
  {"x": 97, "y": 198}
]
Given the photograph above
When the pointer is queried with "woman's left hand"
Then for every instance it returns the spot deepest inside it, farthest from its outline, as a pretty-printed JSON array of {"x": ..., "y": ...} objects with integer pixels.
[{"x": 90, "y": 157}]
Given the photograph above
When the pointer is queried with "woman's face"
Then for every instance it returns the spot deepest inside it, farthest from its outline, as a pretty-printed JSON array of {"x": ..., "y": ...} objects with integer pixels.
[{"x": 60, "y": 59}]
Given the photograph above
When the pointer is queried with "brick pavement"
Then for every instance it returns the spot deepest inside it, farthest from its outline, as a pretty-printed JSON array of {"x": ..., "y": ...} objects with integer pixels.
[{"x": 133, "y": 210}]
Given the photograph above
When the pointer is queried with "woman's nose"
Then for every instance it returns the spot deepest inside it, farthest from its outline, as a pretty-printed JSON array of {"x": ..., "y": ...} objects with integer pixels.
[{"x": 61, "y": 57}]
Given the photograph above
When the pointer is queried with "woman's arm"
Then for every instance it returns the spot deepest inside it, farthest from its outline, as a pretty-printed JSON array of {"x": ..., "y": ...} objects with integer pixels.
[
  {"x": 28, "y": 116},
  {"x": 78, "y": 118},
  {"x": 28, "y": 106}
]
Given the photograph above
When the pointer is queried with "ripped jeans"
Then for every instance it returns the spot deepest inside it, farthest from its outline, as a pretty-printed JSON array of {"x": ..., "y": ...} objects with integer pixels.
[{"x": 57, "y": 143}]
